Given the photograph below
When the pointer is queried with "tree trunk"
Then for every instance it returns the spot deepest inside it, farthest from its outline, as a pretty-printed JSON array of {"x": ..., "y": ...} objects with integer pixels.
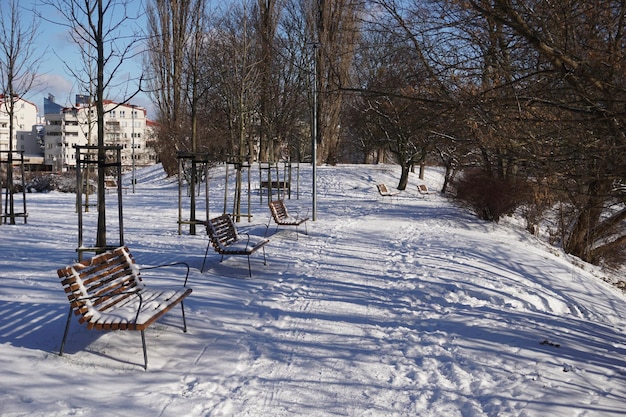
[
  {"x": 448, "y": 175},
  {"x": 581, "y": 239},
  {"x": 267, "y": 29},
  {"x": 404, "y": 176},
  {"x": 336, "y": 33},
  {"x": 101, "y": 233}
]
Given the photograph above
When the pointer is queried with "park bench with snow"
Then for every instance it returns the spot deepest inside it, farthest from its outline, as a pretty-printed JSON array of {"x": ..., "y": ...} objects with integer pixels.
[
  {"x": 423, "y": 189},
  {"x": 281, "y": 216},
  {"x": 107, "y": 293},
  {"x": 384, "y": 191},
  {"x": 111, "y": 184},
  {"x": 226, "y": 240},
  {"x": 274, "y": 185}
]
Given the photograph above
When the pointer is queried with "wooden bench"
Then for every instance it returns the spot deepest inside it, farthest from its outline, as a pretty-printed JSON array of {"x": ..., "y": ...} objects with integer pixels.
[
  {"x": 111, "y": 184},
  {"x": 282, "y": 218},
  {"x": 384, "y": 191},
  {"x": 107, "y": 293},
  {"x": 226, "y": 240},
  {"x": 284, "y": 185},
  {"x": 423, "y": 189}
]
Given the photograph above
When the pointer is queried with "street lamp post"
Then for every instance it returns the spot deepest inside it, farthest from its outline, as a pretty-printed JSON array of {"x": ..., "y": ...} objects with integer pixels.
[{"x": 314, "y": 135}]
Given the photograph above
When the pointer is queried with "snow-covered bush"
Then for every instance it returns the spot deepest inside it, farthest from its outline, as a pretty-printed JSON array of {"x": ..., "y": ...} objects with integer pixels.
[{"x": 65, "y": 183}]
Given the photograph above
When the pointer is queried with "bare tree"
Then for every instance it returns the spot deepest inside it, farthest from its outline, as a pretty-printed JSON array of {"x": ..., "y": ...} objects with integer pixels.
[
  {"x": 174, "y": 38},
  {"x": 267, "y": 25},
  {"x": 83, "y": 79},
  {"x": 400, "y": 74},
  {"x": 237, "y": 41},
  {"x": 335, "y": 29},
  {"x": 284, "y": 49},
  {"x": 96, "y": 27},
  {"x": 18, "y": 67},
  {"x": 580, "y": 61}
]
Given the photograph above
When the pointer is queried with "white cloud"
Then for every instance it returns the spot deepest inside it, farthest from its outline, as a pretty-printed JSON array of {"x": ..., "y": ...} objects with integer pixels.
[{"x": 58, "y": 85}]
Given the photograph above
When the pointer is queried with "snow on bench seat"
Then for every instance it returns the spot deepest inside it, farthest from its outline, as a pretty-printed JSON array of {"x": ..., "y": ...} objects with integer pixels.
[
  {"x": 226, "y": 240},
  {"x": 281, "y": 216},
  {"x": 384, "y": 191},
  {"x": 106, "y": 292}
]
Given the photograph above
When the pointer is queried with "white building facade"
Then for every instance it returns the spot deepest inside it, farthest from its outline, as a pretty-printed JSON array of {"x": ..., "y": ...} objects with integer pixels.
[
  {"x": 67, "y": 127},
  {"x": 24, "y": 118}
]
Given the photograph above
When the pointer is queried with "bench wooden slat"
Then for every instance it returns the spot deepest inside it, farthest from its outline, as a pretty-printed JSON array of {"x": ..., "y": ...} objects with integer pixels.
[{"x": 107, "y": 293}]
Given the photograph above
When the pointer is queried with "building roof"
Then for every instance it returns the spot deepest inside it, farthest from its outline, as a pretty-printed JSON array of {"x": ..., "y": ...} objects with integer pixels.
[{"x": 3, "y": 97}]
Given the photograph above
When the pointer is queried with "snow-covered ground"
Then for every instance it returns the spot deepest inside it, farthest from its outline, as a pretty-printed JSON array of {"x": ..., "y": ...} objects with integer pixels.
[{"x": 403, "y": 307}]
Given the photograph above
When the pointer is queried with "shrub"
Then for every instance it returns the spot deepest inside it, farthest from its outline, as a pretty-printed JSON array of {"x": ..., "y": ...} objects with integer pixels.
[
  {"x": 489, "y": 197},
  {"x": 42, "y": 183}
]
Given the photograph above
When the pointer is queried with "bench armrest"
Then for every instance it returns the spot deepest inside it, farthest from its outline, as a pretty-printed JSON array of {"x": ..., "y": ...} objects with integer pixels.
[
  {"x": 167, "y": 265},
  {"x": 247, "y": 235}
]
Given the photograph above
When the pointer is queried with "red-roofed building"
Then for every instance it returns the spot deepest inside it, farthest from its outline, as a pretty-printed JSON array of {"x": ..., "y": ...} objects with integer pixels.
[{"x": 66, "y": 127}]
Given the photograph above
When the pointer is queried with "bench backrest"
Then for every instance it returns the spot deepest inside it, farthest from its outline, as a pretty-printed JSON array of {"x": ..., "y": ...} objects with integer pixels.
[
  {"x": 222, "y": 231},
  {"x": 382, "y": 188},
  {"x": 100, "y": 283},
  {"x": 279, "y": 210}
]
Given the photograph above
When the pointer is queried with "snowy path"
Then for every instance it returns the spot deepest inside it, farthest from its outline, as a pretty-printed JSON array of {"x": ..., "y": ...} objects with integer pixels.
[{"x": 391, "y": 317}]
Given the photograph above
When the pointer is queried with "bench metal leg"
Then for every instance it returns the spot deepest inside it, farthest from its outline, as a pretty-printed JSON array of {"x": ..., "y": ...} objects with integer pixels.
[
  {"x": 67, "y": 328},
  {"x": 145, "y": 352},
  {"x": 182, "y": 306},
  {"x": 206, "y": 252},
  {"x": 267, "y": 226},
  {"x": 143, "y": 337},
  {"x": 264, "y": 262}
]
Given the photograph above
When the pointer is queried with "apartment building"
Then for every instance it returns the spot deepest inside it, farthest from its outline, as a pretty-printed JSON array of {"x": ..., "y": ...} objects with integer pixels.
[
  {"x": 125, "y": 125},
  {"x": 24, "y": 121}
]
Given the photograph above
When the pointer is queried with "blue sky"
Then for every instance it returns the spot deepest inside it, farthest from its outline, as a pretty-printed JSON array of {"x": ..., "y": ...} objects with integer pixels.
[{"x": 57, "y": 50}]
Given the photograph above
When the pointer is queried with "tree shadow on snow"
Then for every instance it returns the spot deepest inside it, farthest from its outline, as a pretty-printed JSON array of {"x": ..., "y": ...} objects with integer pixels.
[{"x": 40, "y": 326}]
